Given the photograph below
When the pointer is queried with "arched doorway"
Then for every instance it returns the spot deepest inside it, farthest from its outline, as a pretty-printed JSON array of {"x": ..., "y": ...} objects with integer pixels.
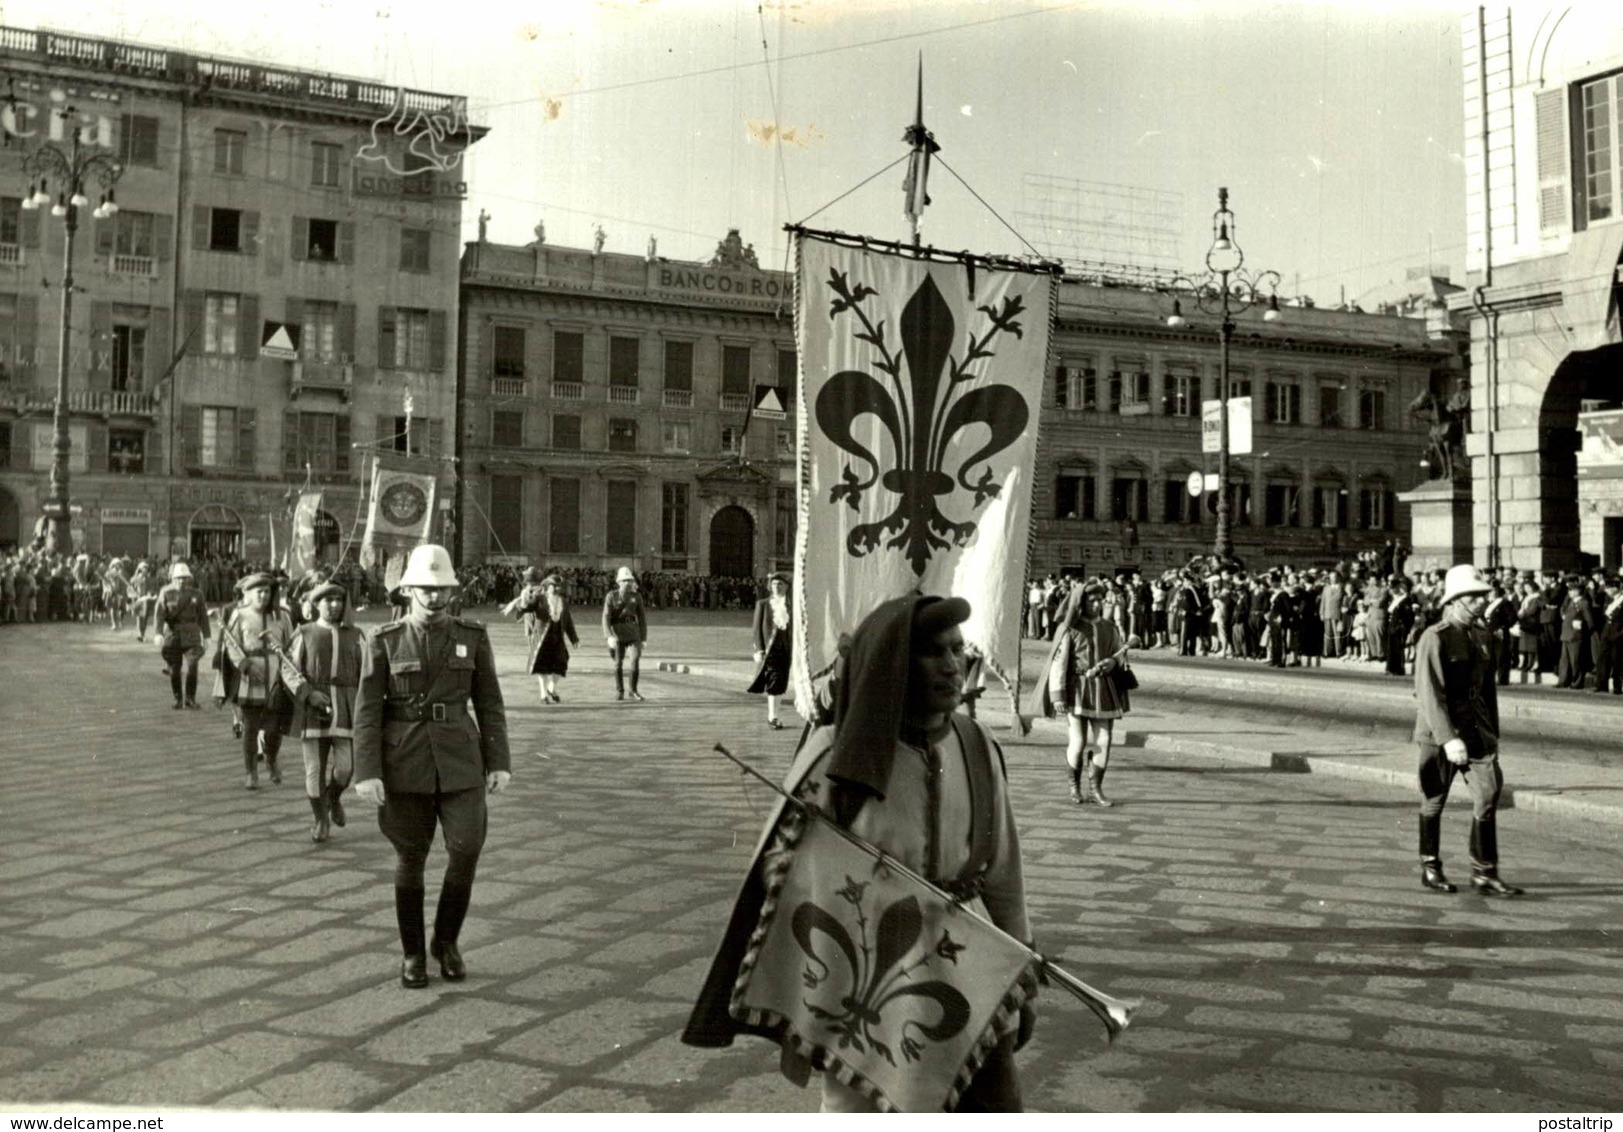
[
  {"x": 1585, "y": 380},
  {"x": 216, "y": 532},
  {"x": 11, "y": 521},
  {"x": 732, "y": 544}
]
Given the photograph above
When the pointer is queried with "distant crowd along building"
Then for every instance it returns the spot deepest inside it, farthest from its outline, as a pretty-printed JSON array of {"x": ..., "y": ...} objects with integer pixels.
[
  {"x": 1544, "y": 255},
  {"x": 290, "y": 236},
  {"x": 607, "y": 397}
]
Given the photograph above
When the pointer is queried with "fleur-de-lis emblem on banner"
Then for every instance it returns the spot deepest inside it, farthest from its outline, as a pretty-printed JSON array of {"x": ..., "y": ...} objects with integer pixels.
[
  {"x": 923, "y": 410},
  {"x": 878, "y": 975}
]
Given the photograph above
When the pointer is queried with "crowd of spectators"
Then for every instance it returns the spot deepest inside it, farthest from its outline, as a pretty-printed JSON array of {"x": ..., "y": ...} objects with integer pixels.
[
  {"x": 586, "y": 585},
  {"x": 1565, "y": 629}
]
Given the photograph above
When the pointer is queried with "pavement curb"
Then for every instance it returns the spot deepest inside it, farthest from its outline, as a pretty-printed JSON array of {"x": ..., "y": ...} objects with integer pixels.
[{"x": 1550, "y": 802}]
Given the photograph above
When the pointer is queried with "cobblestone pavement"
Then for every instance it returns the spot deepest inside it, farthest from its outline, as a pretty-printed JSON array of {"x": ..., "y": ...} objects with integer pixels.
[{"x": 172, "y": 940}]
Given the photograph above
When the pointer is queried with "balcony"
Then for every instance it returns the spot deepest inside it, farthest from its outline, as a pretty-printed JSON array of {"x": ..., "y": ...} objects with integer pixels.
[
  {"x": 330, "y": 377},
  {"x": 507, "y": 387},
  {"x": 106, "y": 402},
  {"x": 735, "y": 402},
  {"x": 622, "y": 394},
  {"x": 568, "y": 391},
  {"x": 143, "y": 265},
  {"x": 679, "y": 398},
  {"x": 11, "y": 254}
]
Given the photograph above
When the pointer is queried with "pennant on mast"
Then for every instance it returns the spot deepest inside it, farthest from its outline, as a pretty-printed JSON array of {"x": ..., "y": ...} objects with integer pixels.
[{"x": 916, "y": 184}]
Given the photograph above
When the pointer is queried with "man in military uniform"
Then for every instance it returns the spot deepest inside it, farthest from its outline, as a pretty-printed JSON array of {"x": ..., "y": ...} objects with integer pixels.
[
  {"x": 421, "y": 757},
  {"x": 182, "y": 625},
  {"x": 625, "y": 628},
  {"x": 1457, "y": 729}
]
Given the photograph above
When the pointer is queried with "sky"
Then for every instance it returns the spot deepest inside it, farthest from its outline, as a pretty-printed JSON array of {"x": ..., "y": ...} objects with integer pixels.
[{"x": 1336, "y": 126}]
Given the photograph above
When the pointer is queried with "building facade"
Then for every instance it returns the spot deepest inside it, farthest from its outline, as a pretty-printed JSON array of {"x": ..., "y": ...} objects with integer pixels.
[
  {"x": 606, "y": 420},
  {"x": 278, "y": 284},
  {"x": 1544, "y": 223}
]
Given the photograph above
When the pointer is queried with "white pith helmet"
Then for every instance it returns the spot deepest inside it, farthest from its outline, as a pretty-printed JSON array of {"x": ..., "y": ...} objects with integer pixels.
[
  {"x": 429, "y": 565},
  {"x": 1462, "y": 581}
]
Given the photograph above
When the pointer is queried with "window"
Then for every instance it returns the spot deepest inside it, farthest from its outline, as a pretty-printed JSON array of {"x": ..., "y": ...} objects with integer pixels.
[
  {"x": 1178, "y": 505},
  {"x": 732, "y": 439},
  {"x": 507, "y": 352},
  {"x": 507, "y": 428},
  {"x": 564, "y": 522},
  {"x": 1284, "y": 402},
  {"x": 1375, "y": 509},
  {"x": 138, "y": 140},
  {"x": 1239, "y": 385},
  {"x": 11, "y": 220},
  {"x": 132, "y": 233},
  {"x": 1076, "y": 388},
  {"x": 784, "y": 518},
  {"x": 786, "y": 443},
  {"x": 409, "y": 329},
  {"x": 129, "y": 357},
  {"x": 1372, "y": 408},
  {"x": 425, "y": 435},
  {"x": 620, "y": 519},
  {"x": 5, "y": 444},
  {"x": 623, "y": 358},
  {"x": 622, "y": 434},
  {"x": 788, "y": 376},
  {"x": 322, "y": 243},
  {"x": 126, "y": 451},
  {"x": 318, "y": 341},
  {"x": 1182, "y": 395},
  {"x": 1073, "y": 497},
  {"x": 219, "y": 438},
  {"x": 1329, "y": 406},
  {"x": 1279, "y": 506},
  {"x": 1329, "y": 507},
  {"x": 1240, "y": 504},
  {"x": 230, "y": 151},
  {"x": 414, "y": 245},
  {"x": 676, "y": 436},
  {"x": 319, "y": 441},
  {"x": 1129, "y": 499},
  {"x": 568, "y": 356},
  {"x": 566, "y": 432},
  {"x": 735, "y": 370},
  {"x": 1129, "y": 392},
  {"x": 673, "y": 519},
  {"x": 679, "y": 366},
  {"x": 1597, "y": 163},
  {"x": 324, "y": 164},
  {"x": 220, "y": 324},
  {"x": 225, "y": 229},
  {"x": 507, "y": 513}
]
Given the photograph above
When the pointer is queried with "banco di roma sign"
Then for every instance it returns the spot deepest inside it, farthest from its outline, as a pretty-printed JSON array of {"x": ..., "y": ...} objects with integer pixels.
[{"x": 714, "y": 281}]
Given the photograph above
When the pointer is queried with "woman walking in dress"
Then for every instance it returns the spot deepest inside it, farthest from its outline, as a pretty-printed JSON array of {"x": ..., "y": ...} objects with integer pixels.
[
  {"x": 773, "y": 630},
  {"x": 547, "y": 622},
  {"x": 1078, "y": 681}
]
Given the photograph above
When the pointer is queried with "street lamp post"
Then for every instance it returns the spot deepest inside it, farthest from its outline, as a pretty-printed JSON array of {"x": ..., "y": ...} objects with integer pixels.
[
  {"x": 1225, "y": 289},
  {"x": 72, "y": 169}
]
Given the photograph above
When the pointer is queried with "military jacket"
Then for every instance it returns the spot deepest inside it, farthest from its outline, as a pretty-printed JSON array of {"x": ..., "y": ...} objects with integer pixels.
[
  {"x": 1456, "y": 687},
  {"x": 182, "y": 617},
  {"x": 412, "y": 723}
]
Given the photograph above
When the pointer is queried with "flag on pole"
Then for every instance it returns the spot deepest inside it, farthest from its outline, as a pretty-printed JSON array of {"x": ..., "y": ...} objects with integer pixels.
[
  {"x": 917, "y": 435},
  {"x": 303, "y": 550},
  {"x": 915, "y": 186},
  {"x": 401, "y": 509}
]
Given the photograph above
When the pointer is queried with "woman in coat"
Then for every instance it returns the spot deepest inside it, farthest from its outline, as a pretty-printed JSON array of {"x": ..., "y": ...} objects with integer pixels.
[
  {"x": 1078, "y": 681},
  {"x": 1528, "y": 634},
  {"x": 773, "y": 630},
  {"x": 547, "y": 622}
]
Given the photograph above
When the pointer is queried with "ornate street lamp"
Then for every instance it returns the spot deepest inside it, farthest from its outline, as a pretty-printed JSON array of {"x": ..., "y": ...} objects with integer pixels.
[
  {"x": 1225, "y": 289},
  {"x": 72, "y": 169}
]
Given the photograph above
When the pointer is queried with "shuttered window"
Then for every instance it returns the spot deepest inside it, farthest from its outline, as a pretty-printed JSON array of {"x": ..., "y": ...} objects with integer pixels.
[
  {"x": 1550, "y": 115},
  {"x": 507, "y": 513},
  {"x": 565, "y": 517}
]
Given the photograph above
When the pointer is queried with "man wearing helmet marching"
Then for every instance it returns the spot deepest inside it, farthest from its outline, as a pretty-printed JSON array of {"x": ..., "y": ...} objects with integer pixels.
[
  {"x": 421, "y": 757},
  {"x": 182, "y": 625},
  {"x": 1457, "y": 729}
]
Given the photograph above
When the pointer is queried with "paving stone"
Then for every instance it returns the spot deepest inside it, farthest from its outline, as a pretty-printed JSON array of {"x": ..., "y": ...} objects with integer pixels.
[
  {"x": 199, "y": 1075},
  {"x": 1279, "y": 1023},
  {"x": 322, "y": 1086},
  {"x": 206, "y": 1025},
  {"x": 89, "y": 983},
  {"x": 361, "y": 1013},
  {"x": 1472, "y": 1045},
  {"x": 201, "y": 985},
  {"x": 450, "y": 1028},
  {"x": 1489, "y": 995},
  {"x": 84, "y": 925},
  {"x": 1191, "y": 988},
  {"x": 582, "y": 1036},
  {"x": 192, "y": 896},
  {"x": 72, "y": 1029},
  {"x": 1298, "y": 1090},
  {"x": 68, "y": 1077},
  {"x": 663, "y": 1063},
  {"x": 473, "y": 1086},
  {"x": 91, "y": 956},
  {"x": 513, "y": 956},
  {"x": 596, "y": 1100}
]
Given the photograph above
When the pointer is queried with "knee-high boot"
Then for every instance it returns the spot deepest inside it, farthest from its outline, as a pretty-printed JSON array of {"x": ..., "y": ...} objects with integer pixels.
[
  {"x": 1096, "y": 781},
  {"x": 318, "y": 807},
  {"x": 408, "y": 913},
  {"x": 1075, "y": 775},
  {"x": 448, "y": 917},
  {"x": 1485, "y": 860},
  {"x": 1431, "y": 863}
]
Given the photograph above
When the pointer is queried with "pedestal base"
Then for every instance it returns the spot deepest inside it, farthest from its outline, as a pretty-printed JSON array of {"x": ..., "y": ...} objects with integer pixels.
[{"x": 1439, "y": 525}]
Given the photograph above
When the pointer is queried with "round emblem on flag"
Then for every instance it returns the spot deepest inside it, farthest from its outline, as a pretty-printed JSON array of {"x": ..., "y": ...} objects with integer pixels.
[{"x": 404, "y": 504}]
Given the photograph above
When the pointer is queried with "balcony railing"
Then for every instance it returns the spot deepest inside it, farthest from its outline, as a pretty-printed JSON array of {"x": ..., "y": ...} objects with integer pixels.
[
  {"x": 134, "y": 265},
  {"x": 339, "y": 376},
  {"x": 735, "y": 402},
  {"x": 679, "y": 398},
  {"x": 507, "y": 386},
  {"x": 107, "y": 402},
  {"x": 568, "y": 391},
  {"x": 622, "y": 394},
  {"x": 11, "y": 253}
]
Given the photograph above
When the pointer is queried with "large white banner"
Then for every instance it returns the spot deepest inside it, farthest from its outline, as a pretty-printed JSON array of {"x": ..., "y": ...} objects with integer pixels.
[
  {"x": 305, "y": 513},
  {"x": 920, "y": 390},
  {"x": 402, "y": 507}
]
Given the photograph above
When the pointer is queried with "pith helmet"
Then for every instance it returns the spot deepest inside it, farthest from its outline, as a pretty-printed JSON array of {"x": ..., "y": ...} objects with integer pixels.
[
  {"x": 625, "y": 575},
  {"x": 179, "y": 570},
  {"x": 1462, "y": 581},
  {"x": 429, "y": 565}
]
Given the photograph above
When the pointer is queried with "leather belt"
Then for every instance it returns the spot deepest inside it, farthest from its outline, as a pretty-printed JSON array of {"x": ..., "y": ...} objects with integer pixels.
[{"x": 414, "y": 712}]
